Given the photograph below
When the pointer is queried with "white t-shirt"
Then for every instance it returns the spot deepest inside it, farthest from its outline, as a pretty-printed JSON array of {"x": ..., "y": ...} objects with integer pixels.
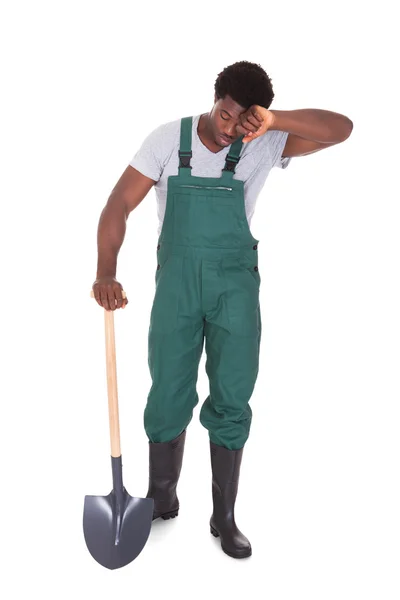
[{"x": 158, "y": 158}]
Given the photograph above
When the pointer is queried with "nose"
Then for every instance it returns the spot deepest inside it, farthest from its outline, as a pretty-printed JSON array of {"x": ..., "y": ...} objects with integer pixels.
[{"x": 229, "y": 133}]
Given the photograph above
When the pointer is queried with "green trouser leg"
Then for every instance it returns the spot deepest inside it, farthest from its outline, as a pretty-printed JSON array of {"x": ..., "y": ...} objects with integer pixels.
[
  {"x": 175, "y": 345},
  {"x": 173, "y": 394},
  {"x": 232, "y": 368}
]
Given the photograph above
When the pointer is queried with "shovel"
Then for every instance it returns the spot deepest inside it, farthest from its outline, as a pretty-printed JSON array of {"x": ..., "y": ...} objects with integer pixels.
[{"x": 116, "y": 527}]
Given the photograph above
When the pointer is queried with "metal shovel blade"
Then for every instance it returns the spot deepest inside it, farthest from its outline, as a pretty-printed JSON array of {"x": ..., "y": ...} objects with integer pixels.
[{"x": 116, "y": 529}]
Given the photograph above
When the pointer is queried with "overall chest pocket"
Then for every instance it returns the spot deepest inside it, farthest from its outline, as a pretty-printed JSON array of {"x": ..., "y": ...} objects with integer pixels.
[{"x": 208, "y": 219}]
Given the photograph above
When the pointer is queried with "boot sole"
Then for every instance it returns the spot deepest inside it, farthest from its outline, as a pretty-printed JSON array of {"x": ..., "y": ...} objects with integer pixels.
[
  {"x": 169, "y": 515},
  {"x": 216, "y": 534}
]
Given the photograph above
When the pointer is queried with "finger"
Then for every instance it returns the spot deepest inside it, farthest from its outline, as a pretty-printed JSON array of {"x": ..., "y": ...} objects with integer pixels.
[
  {"x": 250, "y": 121},
  {"x": 256, "y": 114},
  {"x": 249, "y": 137},
  {"x": 248, "y": 126},
  {"x": 118, "y": 297},
  {"x": 111, "y": 297},
  {"x": 242, "y": 130},
  {"x": 96, "y": 294},
  {"x": 104, "y": 298},
  {"x": 244, "y": 124},
  {"x": 254, "y": 120}
]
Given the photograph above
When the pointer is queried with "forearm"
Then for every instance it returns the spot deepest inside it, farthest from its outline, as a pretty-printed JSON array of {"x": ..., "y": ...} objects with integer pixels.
[
  {"x": 322, "y": 126},
  {"x": 110, "y": 235}
]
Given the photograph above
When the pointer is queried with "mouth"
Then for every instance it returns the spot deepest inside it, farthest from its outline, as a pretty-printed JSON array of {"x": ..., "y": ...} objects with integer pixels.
[{"x": 225, "y": 141}]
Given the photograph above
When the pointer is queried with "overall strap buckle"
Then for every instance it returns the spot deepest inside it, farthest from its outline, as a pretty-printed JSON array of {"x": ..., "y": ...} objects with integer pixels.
[
  {"x": 230, "y": 163},
  {"x": 184, "y": 159}
]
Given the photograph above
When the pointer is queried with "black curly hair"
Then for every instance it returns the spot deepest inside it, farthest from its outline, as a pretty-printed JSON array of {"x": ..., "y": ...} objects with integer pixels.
[{"x": 246, "y": 83}]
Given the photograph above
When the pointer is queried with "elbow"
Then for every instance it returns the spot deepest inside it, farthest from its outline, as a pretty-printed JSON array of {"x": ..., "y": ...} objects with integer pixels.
[
  {"x": 340, "y": 130},
  {"x": 347, "y": 129}
]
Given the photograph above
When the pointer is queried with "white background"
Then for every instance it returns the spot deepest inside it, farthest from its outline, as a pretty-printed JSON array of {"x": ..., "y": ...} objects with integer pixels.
[{"x": 83, "y": 84}]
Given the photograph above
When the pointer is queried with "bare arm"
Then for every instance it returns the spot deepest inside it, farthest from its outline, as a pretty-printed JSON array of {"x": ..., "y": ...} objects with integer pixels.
[
  {"x": 311, "y": 129},
  {"x": 129, "y": 191}
]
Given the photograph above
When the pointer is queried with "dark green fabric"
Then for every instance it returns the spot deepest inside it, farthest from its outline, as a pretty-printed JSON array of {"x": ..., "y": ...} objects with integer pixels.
[
  {"x": 207, "y": 291},
  {"x": 186, "y": 135}
]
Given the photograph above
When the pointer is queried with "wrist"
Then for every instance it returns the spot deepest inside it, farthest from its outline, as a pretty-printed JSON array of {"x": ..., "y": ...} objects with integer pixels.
[
  {"x": 106, "y": 271},
  {"x": 107, "y": 263},
  {"x": 105, "y": 275},
  {"x": 278, "y": 120}
]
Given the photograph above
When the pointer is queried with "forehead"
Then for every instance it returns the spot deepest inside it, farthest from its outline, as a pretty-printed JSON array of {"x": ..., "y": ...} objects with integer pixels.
[{"x": 230, "y": 106}]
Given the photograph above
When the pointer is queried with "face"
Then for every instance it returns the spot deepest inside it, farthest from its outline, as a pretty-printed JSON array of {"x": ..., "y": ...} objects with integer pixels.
[{"x": 223, "y": 120}]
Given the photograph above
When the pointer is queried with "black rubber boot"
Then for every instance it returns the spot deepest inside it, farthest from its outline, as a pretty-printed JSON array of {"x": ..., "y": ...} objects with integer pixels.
[
  {"x": 165, "y": 462},
  {"x": 225, "y": 465}
]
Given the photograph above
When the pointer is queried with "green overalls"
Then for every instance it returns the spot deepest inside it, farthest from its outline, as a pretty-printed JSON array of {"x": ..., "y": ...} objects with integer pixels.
[{"x": 207, "y": 286}]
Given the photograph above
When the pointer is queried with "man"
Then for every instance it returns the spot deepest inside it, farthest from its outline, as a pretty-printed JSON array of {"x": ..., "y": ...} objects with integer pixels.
[{"x": 208, "y": 171}]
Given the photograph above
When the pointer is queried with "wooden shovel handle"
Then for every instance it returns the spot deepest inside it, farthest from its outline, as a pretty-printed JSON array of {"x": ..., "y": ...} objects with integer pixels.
[{"x": 112, "y": 390}]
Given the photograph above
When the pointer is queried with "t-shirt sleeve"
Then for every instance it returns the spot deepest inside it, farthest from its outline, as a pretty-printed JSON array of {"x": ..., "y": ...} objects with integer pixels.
[
  {"x": 277, "y": 141},
  {"x": 149, "y": 158}
]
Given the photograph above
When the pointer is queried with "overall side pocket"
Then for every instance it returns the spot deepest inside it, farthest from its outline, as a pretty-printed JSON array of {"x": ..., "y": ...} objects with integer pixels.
[{"x": 164, "y": 312}]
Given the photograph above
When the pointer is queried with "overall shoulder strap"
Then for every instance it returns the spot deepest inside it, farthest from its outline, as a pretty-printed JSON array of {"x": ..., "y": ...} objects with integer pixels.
[
  {"x": 233, "y": 156},
  {"x": 185, "y": 149}
]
